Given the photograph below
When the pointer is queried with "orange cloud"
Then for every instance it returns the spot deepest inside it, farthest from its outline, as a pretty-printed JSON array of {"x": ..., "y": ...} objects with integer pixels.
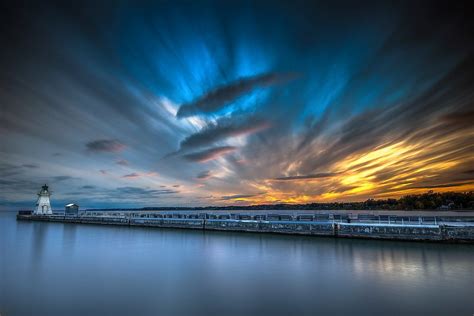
[{"x": 389, "y": 170}]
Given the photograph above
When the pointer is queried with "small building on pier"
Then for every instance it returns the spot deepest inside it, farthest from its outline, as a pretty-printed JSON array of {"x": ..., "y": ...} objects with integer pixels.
[{"x": 71, "y": 209}]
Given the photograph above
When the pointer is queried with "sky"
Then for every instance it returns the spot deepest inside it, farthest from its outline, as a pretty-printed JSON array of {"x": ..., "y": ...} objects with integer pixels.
[{"x": 194, "y": 103}]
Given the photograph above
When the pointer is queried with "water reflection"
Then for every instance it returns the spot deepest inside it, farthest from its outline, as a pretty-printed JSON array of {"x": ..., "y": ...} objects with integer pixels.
[
  {"x": 69, "y": 238},
  {"x": 62, "y": 269},
  {"x": 38, "y": 240}
]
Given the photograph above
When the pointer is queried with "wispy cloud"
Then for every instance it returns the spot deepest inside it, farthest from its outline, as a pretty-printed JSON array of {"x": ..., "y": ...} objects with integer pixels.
[
  {"x": 239, "y": 196},
  {"x": 204, "y": 175},
  {"x": 209, "y": 154},
  {"x": 222, "y": 96},
  {"x": 222, "y": 129},
  {"x": 307, "y": 177},
  {"x": 122, "y": 162},
  {"x": 30, "y": 166},
  {"x": 61, "y": 178},
  {"x": 133, "y": 175},
  {"x": 105, "y": 145},
  {"x": 138, "y": 191}
]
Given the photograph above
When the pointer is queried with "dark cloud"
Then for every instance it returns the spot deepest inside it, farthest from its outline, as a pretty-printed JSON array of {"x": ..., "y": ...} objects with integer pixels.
[
  {"x": 459, "y": 119},
  {"x": 19, "y": 185},
  {"x": 30, "y": 166},
  {"x": 307, "y": 177},
  {"x": 133, "y": 175},
  {"x": 222, "y": 96},
  {"x": 204, "y": 175},
  {"x": 209, "y": 154},
  {"x": 88, "y": 187},
  {"x": 105, "y": 145},
  {"x": 121, "y": 193},
  {"x": 8, "y": 169},
  {"x": 138, "y": 191},
  {"x": 239, "y": 196},
  {"x": 128, "y": 196},
  {"x": 443, "y": 185},
  {"x": 122, "y": 162},
  {"x": 61, "y": 178},
  {"x": 222, "y": 129}
]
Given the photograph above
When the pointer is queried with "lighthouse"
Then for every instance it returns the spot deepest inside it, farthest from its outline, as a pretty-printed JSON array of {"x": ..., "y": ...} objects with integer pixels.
[{"x": 43, "y": 207}]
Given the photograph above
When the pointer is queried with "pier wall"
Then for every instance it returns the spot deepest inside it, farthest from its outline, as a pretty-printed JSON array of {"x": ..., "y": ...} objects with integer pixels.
[
  {"x": 383, "y": 231},
  {"x": 447, "y": 233}
]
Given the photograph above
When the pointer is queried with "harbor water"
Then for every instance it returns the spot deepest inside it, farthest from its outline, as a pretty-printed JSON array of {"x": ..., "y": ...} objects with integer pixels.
[{"x": 70, "y": 269}]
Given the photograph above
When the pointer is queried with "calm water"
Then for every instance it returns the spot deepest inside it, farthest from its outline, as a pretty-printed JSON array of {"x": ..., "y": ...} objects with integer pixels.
[{"x": 67, "y": 269}]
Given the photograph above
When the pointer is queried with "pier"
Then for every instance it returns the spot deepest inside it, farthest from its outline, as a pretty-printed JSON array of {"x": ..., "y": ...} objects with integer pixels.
[{"x": 391, "y": 227}]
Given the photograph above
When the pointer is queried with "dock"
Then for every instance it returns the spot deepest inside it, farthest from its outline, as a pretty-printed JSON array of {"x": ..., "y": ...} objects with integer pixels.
[{"x": 409, "y": 228}]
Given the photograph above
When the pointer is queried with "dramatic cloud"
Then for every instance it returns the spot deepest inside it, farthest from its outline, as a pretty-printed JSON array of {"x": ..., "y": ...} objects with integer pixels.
[
  {"x": 204, "y": 175},
  {"x": 105, "y": 145},
  {"x": 306, "y": 177},
  {"x": 222, "y": 96},
  {"x": 209, "y": 154},
  {"x": 224, "y": 128},
  {"x": 381, "y": 107}
]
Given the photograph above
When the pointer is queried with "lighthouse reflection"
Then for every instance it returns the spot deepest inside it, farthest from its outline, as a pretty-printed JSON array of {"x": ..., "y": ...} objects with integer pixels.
[{"x": 38, "y": 241}]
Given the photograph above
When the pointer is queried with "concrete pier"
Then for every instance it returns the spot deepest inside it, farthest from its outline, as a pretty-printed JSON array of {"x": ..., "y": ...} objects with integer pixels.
[{"x": 437, "y": 230}]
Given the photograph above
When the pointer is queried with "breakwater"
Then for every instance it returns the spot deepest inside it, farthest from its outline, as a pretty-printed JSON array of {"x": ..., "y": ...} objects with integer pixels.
[{"x": 414, "y": 231}]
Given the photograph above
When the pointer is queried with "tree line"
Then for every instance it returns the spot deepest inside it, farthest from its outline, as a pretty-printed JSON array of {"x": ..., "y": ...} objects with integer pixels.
[{"x": 426, "y": 201}]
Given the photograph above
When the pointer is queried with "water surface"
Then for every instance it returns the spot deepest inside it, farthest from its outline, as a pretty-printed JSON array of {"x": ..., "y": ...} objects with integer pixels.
[{"x": 70, "y": 269}]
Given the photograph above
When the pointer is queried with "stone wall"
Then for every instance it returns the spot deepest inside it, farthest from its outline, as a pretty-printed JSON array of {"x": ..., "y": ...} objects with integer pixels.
[{"x": 381, "y": 231}]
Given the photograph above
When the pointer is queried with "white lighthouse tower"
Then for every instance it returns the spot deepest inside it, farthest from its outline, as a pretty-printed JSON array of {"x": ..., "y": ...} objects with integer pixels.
[{"x": 43, "y": 207}]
